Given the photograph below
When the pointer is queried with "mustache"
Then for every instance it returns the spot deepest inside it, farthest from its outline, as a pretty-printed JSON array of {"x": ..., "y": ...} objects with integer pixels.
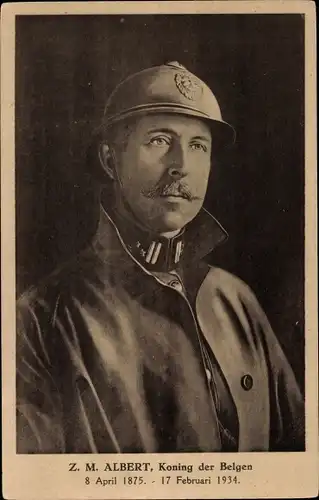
[{"x": 170, "y": 189}]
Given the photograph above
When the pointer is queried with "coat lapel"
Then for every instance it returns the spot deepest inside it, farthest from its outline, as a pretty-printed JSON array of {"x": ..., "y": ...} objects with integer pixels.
[{"x": 239, "y": 352}]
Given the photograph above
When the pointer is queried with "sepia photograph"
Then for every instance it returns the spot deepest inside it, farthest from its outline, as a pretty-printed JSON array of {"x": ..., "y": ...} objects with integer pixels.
[
  {"x": 136, "y": 343},
  {"x": 160, "y": 297}
]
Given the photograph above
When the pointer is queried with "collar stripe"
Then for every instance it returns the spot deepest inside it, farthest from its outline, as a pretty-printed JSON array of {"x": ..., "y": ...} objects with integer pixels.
[
  {"x": 178, "y": 252},
  {"x": 150, "y": 252},
  {"x": 156, "y": 253}
]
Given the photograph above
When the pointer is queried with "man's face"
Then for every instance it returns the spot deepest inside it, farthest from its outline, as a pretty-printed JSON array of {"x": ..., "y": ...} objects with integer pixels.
[{"x": 164, "y": 170}]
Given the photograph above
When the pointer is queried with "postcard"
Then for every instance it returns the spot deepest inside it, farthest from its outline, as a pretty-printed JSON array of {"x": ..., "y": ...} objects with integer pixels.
[{"x": 159, "y": 250}]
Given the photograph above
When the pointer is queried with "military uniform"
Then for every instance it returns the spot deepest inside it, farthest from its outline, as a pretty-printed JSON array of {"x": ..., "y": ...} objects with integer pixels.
[{"x": 138, "y": 345}]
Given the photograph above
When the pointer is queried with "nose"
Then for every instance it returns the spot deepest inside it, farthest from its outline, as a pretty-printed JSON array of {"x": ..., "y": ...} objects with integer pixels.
[
  {"x": 175, "y": 173},
  {"x": 177, "y": 161}
]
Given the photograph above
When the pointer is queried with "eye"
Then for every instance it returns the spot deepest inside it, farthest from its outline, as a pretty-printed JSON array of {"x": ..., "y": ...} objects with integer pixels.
[
  {"x": 160, "y": 140},
  {"x": 199, "y": 146}
]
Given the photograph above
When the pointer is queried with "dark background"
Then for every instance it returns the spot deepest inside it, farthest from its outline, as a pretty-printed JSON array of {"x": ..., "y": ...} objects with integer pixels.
[{"x": 66, "y": 66}]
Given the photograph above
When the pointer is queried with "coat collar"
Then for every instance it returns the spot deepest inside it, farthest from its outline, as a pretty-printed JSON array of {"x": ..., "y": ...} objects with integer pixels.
[{"x": 196, "y": 241}]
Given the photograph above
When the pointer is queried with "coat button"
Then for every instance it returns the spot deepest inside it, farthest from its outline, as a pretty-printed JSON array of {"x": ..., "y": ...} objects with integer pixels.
[{"x": 247, "y": 382}]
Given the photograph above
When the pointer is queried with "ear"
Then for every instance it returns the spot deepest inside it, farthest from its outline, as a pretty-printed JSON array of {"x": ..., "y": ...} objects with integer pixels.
[{"x": 106, "y": 160}]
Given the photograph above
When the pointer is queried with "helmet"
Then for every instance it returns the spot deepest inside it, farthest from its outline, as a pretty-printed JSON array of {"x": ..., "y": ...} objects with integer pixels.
[{"x": 169, "y": 88}]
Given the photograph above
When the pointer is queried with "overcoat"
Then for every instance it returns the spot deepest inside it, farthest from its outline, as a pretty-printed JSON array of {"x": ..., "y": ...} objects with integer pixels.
[{"x": 110, "y": 358}]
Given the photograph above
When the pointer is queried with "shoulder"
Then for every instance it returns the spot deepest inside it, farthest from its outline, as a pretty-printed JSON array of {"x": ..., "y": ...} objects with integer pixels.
[
  {"x": 223, "y": 289},
  {"x": 41, "y": 308},
  {"x": 227, "y": 296},
  {"x": 220, "y": 281},
  {"x": 64, "y": 280}
]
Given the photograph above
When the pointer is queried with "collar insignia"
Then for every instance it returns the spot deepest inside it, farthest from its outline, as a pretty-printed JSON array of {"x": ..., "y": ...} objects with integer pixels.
[
  {"x": 160, "y": 254},
  {"x": 155, "y": 252}
]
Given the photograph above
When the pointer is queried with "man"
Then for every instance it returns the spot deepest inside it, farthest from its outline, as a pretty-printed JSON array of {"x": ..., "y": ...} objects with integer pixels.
[{"x": 137, "y": 345}]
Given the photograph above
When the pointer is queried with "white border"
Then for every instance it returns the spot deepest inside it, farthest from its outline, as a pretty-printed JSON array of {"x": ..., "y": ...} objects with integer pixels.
[{"x": 46, "y": 476}]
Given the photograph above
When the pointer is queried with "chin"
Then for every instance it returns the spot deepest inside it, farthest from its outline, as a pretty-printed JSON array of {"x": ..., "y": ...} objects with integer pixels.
[{"x": 173, "y": 222}]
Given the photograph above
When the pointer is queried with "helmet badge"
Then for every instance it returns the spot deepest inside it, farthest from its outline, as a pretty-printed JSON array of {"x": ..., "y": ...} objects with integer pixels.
[{"x": 188, "y": 86}]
